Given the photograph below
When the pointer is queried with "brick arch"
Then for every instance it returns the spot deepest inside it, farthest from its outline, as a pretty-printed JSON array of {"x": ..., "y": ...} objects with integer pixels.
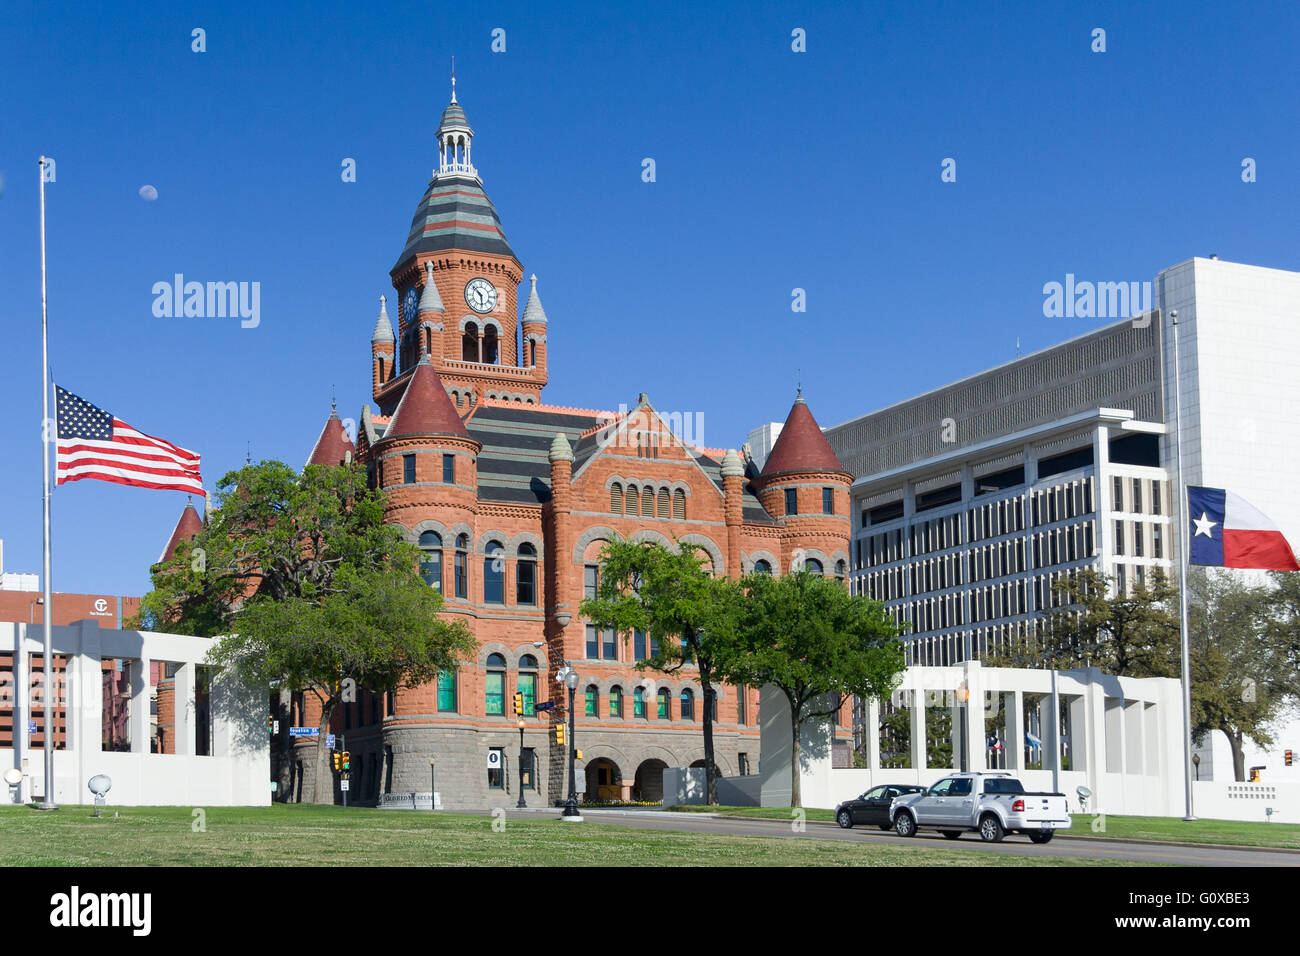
[
  {"x": 645, "y": 534},
  {"x": 459, "y": 529},
  {"x": 512, "y": 546},
  {"x": 710, "y": 547},
  {"x": 495, "y": 647},
  {"x": 747, "y": 561},
  {"x": 431, "y": 326},
  {"x": 818, "y": 555},
  {"x": 487, "y": 536},
  {"x": 428, "y": 524},
  {"x": 537, "y": 652},
  {"x": 594, "y": 533}
]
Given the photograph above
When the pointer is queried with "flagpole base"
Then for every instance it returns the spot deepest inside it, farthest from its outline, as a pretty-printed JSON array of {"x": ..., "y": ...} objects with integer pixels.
[
  {"x": 1190, "y": 819},
  {"x": 46, "y": 805}
]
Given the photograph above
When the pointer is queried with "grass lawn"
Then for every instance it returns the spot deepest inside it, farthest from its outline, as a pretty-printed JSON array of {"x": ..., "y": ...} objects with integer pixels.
[
  {"x": 1170, "y": 829},
  {"x": 331, "y": 836}
]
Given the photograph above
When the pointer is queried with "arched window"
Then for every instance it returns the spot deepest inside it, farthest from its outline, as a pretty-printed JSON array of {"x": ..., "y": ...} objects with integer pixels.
[
  {"x": 616, "y": 701},
  {"x": 494, "y": 688},
  {"x": 638, "y": 702},
  {"x": 679, "y": 504},
  {"x": 647, "y": 502},
  {"x": 633, "y": 500},
  {"x": 663, "y": 503},
  {"x": 664, "y": 711},
  {"x": 431, "y": 559},
  {"x": 527, "y": 683},
  {"x": 490, "y": 345},
  {"x": 762, "y": 567},
  {"x": 526, "y": 575},
  {"x": 840, "y": 569},
  {"x": 813, "y": 565},
  {"x": 428, "y": 340},
  {"x": 469, "y": 343},
  {"x": 494, "y": 573},
  {"x": 616, "y": 498},
  {"x": 688, "y": 704},
  {"x": 462, "y": 566},
  {"x": 593, "y": 701}
]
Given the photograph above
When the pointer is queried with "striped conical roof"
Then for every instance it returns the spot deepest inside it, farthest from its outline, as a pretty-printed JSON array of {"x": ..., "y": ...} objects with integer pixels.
[{"x": 455, "y": 213}]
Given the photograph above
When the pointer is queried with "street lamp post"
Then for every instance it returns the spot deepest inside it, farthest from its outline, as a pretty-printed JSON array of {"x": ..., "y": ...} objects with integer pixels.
[
  {"x": 569, "y": 677},
  {"x": 521, "y": 805}
]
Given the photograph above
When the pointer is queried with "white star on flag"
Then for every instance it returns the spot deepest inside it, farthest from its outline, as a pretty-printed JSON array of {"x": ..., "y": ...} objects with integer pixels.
[{"x": 1204, "y": 526}]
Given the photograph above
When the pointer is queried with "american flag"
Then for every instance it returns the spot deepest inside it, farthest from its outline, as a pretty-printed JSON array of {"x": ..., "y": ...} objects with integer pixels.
[{"x": 94, "y": 444}]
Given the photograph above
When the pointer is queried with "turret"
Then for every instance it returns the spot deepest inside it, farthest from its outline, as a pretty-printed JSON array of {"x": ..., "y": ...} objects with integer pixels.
[
  {"x": 534, "y": 332},
  {"x": 334, "y": 446},
  {"x": 382, "y": 351}
]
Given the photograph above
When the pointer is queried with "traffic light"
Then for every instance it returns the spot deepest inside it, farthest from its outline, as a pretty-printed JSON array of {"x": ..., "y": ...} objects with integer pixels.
[
  {"x": 577, "y": 755},
  {"x": 338, "y": 759},
  {"x": 347, "y": 760},
  {"x": 559, "y": 734},
  {"x": 1287, "y": 757},
  {"x": 270, "y": 725},
  {"x": 1254, "y": 775},
  {"x": 519, "y": 704}
]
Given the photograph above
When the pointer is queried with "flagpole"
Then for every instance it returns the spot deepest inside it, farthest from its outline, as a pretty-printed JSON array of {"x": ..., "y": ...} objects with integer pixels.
[
  {"x": 1182, "y": 581},
  {"x": 47, "y": 709}
]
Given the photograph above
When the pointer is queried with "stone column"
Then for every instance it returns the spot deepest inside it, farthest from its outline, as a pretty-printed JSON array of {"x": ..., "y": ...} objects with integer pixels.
[{"x": 733, "y": 473}]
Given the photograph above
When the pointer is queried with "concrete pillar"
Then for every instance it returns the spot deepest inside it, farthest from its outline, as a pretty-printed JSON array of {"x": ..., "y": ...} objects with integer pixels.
[
  {"x": 872, "y": 731},
  {"x": 184, "y": 725},
  {"x": 138, "y": 715},
  {"x": 974, "y": 723},
  {"x": 1101, "y": 498},
  {"x": 917, "y": 714},
  {"x": 1015, "y": 729}
]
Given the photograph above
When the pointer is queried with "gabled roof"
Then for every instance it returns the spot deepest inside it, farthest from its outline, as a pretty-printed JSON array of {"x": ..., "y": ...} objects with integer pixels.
[
  {"x": 801, "y": 446},
  {"x": 425, "y": 408},
  {"x": 334, "y": 446},
  {"x": 187, "y": 527}
]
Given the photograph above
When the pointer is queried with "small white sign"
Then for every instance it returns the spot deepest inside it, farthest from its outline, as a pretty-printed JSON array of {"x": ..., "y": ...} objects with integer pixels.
[
  {"x": 329, "y": 741},
  {"x": 494, "y": 760},
  {"x": 343, "y": 785},
  {"x": 275, "y": 727}
]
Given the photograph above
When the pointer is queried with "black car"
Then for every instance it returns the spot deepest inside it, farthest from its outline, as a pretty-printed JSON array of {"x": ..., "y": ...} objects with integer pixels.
[{"x": 872, "y": 808}]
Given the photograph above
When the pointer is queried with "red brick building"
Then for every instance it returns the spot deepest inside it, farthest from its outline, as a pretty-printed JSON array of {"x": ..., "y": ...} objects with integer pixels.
[{"x": 511, "y": 499}]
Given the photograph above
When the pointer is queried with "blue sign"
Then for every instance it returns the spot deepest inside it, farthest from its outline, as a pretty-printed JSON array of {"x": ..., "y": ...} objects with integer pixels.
[
  {"x": 304, "y": 731},
  {"x": 31, "y": 726},
  {"x": 329, "y": 741}
]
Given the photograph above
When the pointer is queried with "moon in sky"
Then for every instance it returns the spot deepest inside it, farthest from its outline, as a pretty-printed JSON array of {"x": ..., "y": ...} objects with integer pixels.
[{"x": 148, "y": 193}]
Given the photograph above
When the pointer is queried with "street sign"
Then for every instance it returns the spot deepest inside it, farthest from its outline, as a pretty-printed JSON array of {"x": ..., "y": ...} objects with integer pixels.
[
  {"x": 329, "y": 741},
  {"x": 545, "y": 705},
  {"x": 304, "y": 731},
  {"x": 494, "y": 760},
  {"x": 343, "y": 785},
  {"x": 31, "y": 726},
  {"x": 275, "y": 727}
]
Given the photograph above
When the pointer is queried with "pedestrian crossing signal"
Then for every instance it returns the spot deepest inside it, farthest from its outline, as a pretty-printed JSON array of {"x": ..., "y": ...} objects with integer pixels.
[{"x": 559, "y": 734}]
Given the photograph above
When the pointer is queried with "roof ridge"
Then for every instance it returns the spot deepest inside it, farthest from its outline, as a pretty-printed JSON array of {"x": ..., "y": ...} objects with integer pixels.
[{"x": 543, "y": 407}]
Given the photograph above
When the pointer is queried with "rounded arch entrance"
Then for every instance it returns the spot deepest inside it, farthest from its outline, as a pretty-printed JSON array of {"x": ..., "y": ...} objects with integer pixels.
[
  {"x": 648, "y": 785},
  {"x": 604, "y": 780}
]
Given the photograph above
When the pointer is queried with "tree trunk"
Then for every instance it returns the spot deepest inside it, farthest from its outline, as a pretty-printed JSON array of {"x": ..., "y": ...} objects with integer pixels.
[
  {"x": 796, "y": 792},
  {"x": 1238, "y": 755},
  {"x": 284, "y": 747},
  {"x": 710, "y": 768},
  {"x": 322, "y": 785}
]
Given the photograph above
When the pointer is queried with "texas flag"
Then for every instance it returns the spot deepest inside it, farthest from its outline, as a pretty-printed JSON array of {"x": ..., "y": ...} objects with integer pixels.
[{"x": 1228, "y": 532}]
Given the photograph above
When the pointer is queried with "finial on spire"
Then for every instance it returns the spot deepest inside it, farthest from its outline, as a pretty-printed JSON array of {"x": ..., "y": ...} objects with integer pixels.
[
  {"x": 248, "y": 455},
  {"x": 453, "y": 78},
  {"x": 334, "y": 405},
  {"x": 798, "y": 385}
]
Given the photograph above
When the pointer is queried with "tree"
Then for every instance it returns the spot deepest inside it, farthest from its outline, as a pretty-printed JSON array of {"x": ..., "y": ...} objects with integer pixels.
[
  {"x": 687, "y": 611},
  {"x": 818, "y": 644},
  {"x": 1243, "y": 671},
  {"x": 311, "y": 589},
  {"x": 1134, "y": 635}
]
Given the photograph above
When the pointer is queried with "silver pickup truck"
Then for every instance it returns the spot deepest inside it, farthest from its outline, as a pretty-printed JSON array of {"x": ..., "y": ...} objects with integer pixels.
[{"x": 992, "y": 804}]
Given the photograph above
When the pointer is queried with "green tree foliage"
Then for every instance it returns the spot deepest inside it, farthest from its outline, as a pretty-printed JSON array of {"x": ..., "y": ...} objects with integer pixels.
[
  {"x": 1242, "y": 663},
  {"x": 1134, "y": 635},
  {"x": 310, "y": 588},
  {"x": 818, "y": 644},
  {"x": 668, "y": 594}
]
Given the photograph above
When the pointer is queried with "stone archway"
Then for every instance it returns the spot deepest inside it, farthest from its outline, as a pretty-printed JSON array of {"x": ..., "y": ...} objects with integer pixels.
[
  {"x": 604, "y": 780},
  {"x": 649, "y": 781}
]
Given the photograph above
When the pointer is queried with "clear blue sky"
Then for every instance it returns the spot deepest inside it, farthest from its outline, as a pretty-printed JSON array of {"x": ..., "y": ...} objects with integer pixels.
[{"x": 775, "y": 169}]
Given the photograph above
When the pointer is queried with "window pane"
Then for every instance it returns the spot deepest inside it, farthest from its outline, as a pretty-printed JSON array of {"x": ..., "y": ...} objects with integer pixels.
[
  {"x": 449, "y": 468},
  {"x": 615, "y": 702},
  {"x": 408, "y": 469},
  {"x": 688, "y": 705},
  {"x": 447, "y": 691},
  {"x": 654, "y": 647},
  {"x": 526, "y": 582},
  {"x": 828, "y": 501},
  {"x": 791, "y": 501},
  {"x": 638, "y": 645},
  {"x": 591, "y": 700},
  {"x": 592, "y": 641},
  {"x": 495, "y": 693},
  {"x": 638, "y": 703},
  {"x": 662, "y": 713},
  {"x": 590, "y": 580},
  {"x": 607, "y": 651},
  {"x": 494, "y": 576},
  {"x": 527, "y": 685},
  {"x": 431, "y": 569},
  {"x": 462, "y": 576}
]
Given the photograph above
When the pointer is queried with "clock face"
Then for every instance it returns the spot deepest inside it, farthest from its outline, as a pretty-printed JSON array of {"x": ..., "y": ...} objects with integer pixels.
[
  {"x": 481, "y": 295},
  {"x": 411, "y": 303}
]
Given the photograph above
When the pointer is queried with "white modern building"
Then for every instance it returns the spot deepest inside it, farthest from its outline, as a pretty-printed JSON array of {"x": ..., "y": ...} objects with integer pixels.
[
  {"x": 973, "y": 499},
  {"x": 761, "y": 441}
]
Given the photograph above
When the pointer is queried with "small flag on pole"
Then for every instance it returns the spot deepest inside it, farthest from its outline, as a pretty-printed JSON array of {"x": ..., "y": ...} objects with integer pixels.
[
  {"x": 94, "y": 444},
  {"x": 1228, "y": 532}
]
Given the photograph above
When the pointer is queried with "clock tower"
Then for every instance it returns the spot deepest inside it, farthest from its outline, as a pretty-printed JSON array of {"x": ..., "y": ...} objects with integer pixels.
[{"x": 457, "y": 281}]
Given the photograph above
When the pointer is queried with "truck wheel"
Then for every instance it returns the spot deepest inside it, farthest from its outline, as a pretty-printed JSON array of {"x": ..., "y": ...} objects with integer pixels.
[
  {"x": 951, "y": 834},
  {"x": 904, "y": 825},
  {"x": 1042, "y": 836},
  {"x": 844, "y": 819},
  {"x": 991, "y": 829}
]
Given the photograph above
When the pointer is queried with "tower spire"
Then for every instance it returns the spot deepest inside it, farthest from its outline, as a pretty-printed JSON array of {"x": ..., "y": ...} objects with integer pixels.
[{"x": 453, "y": 78}]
